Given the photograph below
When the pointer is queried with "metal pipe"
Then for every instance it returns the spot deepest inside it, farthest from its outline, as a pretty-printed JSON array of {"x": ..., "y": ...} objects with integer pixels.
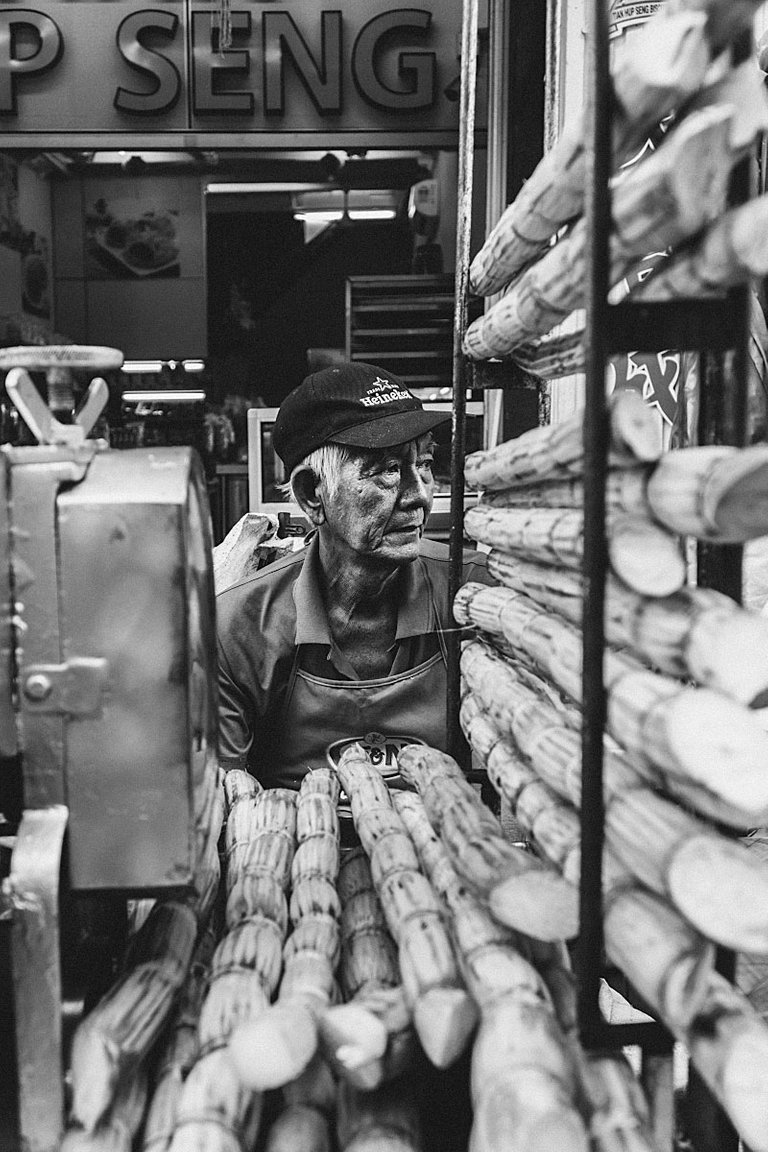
[
  {"x": 467, "y": 103},
  {"x": 597, "y": 212}
]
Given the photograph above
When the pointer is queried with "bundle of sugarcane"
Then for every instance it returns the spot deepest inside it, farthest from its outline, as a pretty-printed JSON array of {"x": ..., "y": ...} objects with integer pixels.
[
  {"x": 444, "y": 1014},
  {"x": 732, "y": 251},
  {"x": 666, "y": 63},
  {"x": 556, "y": 451},
  {"x": 645, "y": 555},
  {"x": 274, "y": 1048},
  {"x": 117, "y": 1129},
  {"x": 543, "y": 905},
  {"x": 555, "y": 748},
  {"x": 522, "y": 1075},
  {"x": 385, "y": 1119},
  {"x": 683, "y": 859},
  {"x": 118, "y": 1033},
  {"x": 179, "y": 1050},
  {"x": 658, "y": 203},
  {"x": 683, "y": 730},
  {"x": 645, "y": 936},
  {"x": 369, "y": 1037},
  {"x": 217, "y": 1111},
  {"x": 711, "y": 132},
  {"x": 697, "y": 633}
]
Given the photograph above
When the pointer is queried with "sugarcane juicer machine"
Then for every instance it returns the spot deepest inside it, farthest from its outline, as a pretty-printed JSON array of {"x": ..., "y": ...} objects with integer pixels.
[{"x": 107, "y": 691}]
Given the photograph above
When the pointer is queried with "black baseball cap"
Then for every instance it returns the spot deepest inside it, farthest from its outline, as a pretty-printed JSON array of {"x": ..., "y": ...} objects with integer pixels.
[{"x": 356, "y": 404}]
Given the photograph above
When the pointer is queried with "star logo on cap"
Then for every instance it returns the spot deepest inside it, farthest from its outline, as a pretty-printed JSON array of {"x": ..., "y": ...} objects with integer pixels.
[{"x": 379, "y": 385}]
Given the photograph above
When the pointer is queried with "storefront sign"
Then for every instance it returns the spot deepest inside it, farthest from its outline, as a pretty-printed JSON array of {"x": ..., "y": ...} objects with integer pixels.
[{"x": 358, "y": 65}]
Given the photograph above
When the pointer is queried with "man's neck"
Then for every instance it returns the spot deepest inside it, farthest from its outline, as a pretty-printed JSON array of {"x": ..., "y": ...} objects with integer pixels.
[{"x": 362, "y": 604}]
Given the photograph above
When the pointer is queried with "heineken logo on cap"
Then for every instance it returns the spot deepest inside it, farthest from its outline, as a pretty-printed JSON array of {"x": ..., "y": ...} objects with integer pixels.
[{"x": 383, "y": 392}]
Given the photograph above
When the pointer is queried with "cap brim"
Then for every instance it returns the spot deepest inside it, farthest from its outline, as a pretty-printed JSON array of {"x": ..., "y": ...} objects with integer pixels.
[{"x": 389, "y": 431}]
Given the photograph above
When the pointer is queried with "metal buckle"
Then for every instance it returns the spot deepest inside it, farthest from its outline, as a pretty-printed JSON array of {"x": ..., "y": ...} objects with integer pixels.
[{"x": 382, "y": 748}]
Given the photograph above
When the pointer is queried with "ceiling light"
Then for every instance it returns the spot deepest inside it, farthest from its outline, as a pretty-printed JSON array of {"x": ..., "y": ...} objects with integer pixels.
[
  {"x": 165, "y": 396},
  {"x": 142, "y": 365},
  {"x": 193, "y": 365}
]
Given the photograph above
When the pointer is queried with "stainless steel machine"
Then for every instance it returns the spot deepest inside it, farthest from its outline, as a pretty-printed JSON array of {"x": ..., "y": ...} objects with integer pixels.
[{"x": 107, "y": 688}]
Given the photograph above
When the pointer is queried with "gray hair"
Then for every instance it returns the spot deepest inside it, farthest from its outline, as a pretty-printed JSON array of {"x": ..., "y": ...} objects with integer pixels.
[{"x": 326, "y": 462}]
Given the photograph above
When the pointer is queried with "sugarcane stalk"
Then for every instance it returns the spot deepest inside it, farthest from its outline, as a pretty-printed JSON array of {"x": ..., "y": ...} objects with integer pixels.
[
  {"x": 117, "y": 1129},
  {"x": 732, "y": 251},
  {"x": 276, "y": 1047},
  {"x": 667, "y": 961},
  {"x": 624, "y": 492},
  {"x": 522, "y": 1087},
  {"x": 666, "y": 62},
  {"x": 443, "y": 1013},
  {"x": 614, "y": 1102},
  {"x": 120, "y": 1030},
  {"x": 641, "y": 552},
  {"x": 728, "y": 1044},
  {"x": 383, "y": 1120},
  {"x": 686, "y": 731},
  {"x": 556, "y": 451},
  {"x": 369, "y": 1038},
  {"x": 305, "y": 1121},
  {"x": 697, "y": 868},
  {"x": 544, "y": 906},
  {"x": 247, "y": 851},
  {"x": 658, "y": 203},
  {"x": 180, "y": 1050},
  {"x": 217, "y": 1111},
  {"x": 239, "y": 785},
  {"x": 714, "y": 492},
  {"x": 696, "y": 633}
]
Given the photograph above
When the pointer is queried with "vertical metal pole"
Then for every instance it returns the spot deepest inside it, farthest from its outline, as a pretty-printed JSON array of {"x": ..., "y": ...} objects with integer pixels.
[
  {"x": 597, "y": 208},
  {"x": 454, "y": 739}
]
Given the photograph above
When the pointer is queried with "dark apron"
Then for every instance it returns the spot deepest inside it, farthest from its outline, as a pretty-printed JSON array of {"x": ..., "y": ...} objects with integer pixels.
[{"x": 318, "y": 711}]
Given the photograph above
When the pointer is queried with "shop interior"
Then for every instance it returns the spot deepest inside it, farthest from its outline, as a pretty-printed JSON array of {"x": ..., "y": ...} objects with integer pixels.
[{"x": 224, "y": 276}]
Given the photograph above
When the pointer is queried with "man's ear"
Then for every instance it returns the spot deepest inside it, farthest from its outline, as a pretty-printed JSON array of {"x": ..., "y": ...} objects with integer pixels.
[{"x": 305, "y": 490}]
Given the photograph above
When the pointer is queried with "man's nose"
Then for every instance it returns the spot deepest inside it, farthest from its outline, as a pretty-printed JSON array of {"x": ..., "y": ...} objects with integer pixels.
[{"x": 413, "y": 488}]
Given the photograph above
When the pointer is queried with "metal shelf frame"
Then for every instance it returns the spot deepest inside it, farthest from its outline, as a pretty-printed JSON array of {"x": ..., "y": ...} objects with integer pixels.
[{"x": 716, "y": 329}]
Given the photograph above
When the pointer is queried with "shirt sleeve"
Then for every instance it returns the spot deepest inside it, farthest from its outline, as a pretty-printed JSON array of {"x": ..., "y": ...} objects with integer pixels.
[{"x": 237, "y": 719}]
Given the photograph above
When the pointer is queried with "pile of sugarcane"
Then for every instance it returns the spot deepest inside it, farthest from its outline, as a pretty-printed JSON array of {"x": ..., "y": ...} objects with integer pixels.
[
  {"x": 306, "y": 1008},
  {"x": 685, "y": 751},
  {"x": 677, "y": 70}
]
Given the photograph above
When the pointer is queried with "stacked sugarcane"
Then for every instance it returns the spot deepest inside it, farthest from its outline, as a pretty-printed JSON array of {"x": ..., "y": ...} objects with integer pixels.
[
  {"x": 685, "y": 754},
  {"x": 114, "y": 1045},
  {"x": 673, "y": 198}
]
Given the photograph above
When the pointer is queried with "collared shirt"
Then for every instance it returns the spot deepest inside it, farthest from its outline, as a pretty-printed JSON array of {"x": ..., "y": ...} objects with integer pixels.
[{"x": 262, "y": 620}]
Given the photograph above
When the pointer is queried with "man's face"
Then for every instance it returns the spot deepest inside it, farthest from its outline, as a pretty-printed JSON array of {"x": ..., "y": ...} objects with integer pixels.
[{"x": 383, "y": 501}]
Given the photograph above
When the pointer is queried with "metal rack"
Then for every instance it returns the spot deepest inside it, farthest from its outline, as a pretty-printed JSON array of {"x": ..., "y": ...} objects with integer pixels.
[{"x": 718, "y": 331}]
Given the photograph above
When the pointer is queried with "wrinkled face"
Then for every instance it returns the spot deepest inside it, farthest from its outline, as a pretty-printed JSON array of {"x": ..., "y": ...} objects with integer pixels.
[{"x": 383, "y": 501}]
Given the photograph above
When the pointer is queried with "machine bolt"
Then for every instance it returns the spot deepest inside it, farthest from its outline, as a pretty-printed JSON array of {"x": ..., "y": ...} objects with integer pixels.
[{"x": 38, "y": 687}]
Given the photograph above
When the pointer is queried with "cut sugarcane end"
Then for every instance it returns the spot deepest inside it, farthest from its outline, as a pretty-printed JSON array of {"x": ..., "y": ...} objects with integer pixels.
[
  {"x": 744, "y": 1078},
  {"x": 715, "y": 742},
  {"x": 275, "y": 1048},
  {"x": 704, "y": 875},
  {"x": 444, "y": 1019},
  {"x": 539, "y": 903},
  {"x": 354, "y": 1034}
]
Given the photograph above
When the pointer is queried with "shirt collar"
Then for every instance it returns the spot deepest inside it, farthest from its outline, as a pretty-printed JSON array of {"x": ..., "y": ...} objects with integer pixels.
[{"x": 415, "y": 613}]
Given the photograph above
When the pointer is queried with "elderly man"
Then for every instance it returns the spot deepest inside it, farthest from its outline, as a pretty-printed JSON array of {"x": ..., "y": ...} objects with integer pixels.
[{"x": 346, "y": 636}]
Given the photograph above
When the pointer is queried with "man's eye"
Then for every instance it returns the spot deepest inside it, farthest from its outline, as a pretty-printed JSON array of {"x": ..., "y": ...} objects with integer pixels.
[{"x": 426, "y": 462}]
